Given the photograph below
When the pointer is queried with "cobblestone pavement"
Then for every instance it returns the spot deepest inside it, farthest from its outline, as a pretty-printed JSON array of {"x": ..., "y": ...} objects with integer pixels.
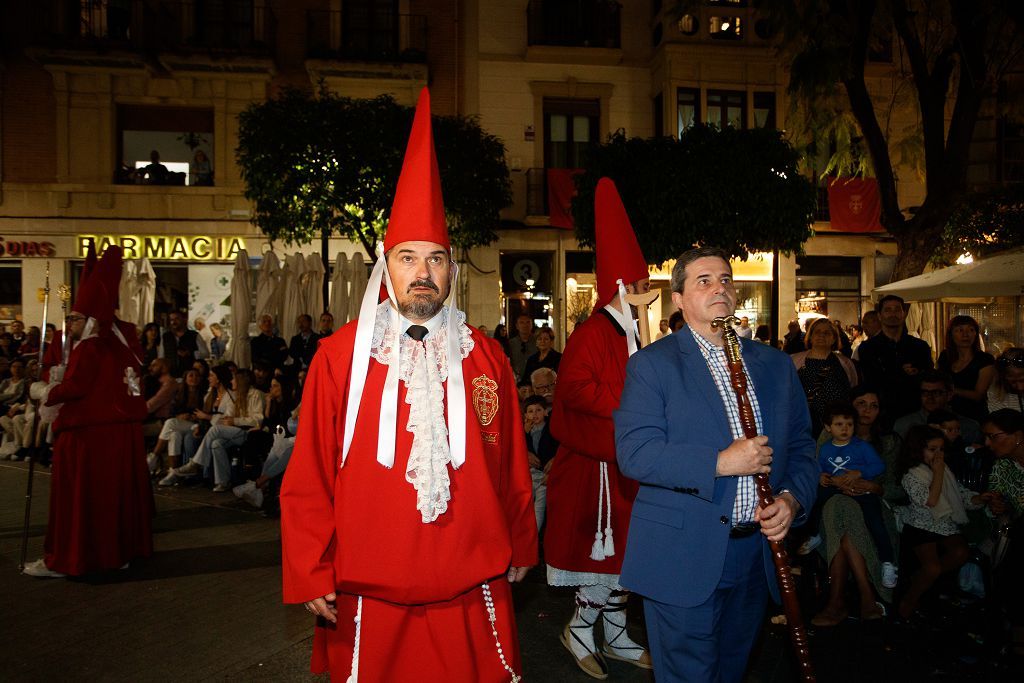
[{"x": 207, "y": 606}]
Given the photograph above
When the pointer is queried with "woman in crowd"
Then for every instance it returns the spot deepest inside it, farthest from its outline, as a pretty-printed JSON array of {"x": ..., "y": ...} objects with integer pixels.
[
  {"x": 203, "y": 368},
  {"x": 243, "y": 412},
  {"x": 30, "y": 346},
  {"x": 546, "y": 356},
  {"x": 7, "y": 347},
  {"x": 200, "y": 170},
  {"x": 971, "y": 368},
  {"x": 218, "y": 399},
  {"x": 279, "y": 403},
  {"x": 189, "y": 400},
  {"x": 501, "y": 336},
  {"x": 848, "y": 545},
  {"x": 150, "y": 343},
  {"x": 1007, "y": 391},
  {"x": 1004, "y": 434},
  {"x": 937, "y": 509},
  {"x": 826, "y": 376}
]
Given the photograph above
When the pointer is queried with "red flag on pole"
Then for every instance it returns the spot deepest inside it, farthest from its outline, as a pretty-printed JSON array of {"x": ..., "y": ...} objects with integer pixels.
[
  {"x": 561, "y": 190},
  {"x": 854, "y": 205}
]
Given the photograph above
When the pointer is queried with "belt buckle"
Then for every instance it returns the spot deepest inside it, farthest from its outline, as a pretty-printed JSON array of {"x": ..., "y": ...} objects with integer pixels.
[{"x": 743, "y": 530}]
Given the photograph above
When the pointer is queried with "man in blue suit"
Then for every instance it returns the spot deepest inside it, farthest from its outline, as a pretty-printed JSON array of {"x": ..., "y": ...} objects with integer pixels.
[{"x": 697, "y": 548}]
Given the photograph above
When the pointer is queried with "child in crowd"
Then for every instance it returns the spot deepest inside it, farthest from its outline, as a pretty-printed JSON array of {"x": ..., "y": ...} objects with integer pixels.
[
  {"x": 971, "y": 464},
  {"x": 844, "y": 458},
  {"x": 938, "y": 504},
  {"x": 541, "y": 449}
]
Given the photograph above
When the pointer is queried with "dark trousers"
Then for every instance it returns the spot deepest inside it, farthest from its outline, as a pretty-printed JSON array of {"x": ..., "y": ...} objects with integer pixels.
[{"x": 711, "y": 642}]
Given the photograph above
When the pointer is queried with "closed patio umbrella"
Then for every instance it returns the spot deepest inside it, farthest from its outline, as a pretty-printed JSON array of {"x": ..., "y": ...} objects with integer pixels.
[
  {"x": 313, "y": 286},
  {"x": 339, "y": 290},
  {"x": 357, "y": 284},
  {"x": 291, "y": 302},
  {"x": 241, "y": 313},
  {"x": 268, "y": 287},
  {"x": 127, "y": 293},
  {"x": 145, "y": 279}
]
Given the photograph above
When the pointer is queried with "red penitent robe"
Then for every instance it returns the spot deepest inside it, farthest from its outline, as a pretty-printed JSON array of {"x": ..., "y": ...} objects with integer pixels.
[
  {"x": 101, "y": 500},
  {"x": 591, "y": 375},
  {"x": 355, "y": 530}
]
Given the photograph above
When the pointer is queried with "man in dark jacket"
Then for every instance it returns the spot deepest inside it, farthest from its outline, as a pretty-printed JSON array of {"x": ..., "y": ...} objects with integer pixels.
[
  {"x": 303, "y": 344},
  {"x": 182, "y": 346},
  {"x": 268, "y": 347}
]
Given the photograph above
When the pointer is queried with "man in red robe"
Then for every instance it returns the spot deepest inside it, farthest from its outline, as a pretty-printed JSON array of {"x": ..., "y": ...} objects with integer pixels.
[
  {"x": 406, "y": 508},
  {"x": 101, "y": 501},
  {"x": 589, "y": 500}
]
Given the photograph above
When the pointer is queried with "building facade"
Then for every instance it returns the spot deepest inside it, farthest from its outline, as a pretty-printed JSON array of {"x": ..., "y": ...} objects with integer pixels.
[{"x": 89, "y": 90}]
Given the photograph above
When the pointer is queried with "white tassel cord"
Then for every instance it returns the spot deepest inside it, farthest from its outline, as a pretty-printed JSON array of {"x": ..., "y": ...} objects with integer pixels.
[{"x": 604, "y": 546}]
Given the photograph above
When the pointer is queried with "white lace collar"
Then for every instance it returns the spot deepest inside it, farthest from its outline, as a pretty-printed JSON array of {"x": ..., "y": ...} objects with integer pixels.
[
  {"x": 382, "y": 346},
  {"x": 423, "y": 368}
]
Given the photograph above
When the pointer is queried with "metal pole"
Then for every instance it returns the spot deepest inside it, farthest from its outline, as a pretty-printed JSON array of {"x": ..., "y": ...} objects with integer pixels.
[{"x": 35, "y": 422}]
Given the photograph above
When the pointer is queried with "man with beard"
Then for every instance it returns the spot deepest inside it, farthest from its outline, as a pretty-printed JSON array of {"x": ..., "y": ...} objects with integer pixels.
[
  {"x": 182, "y": 346},
  {"x": 406, "y": 508},
  {"x": 101, "y": 503}
]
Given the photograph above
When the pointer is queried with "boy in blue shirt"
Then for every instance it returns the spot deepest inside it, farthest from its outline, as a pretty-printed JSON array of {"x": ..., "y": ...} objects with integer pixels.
[{"x": 843, "y": 458}]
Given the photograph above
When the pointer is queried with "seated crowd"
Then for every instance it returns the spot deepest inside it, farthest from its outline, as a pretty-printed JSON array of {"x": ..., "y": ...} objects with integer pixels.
[{"x": 922, "y": 469}]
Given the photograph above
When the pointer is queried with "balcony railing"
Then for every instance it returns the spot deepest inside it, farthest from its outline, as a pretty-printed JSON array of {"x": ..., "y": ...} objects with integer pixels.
[
  {"x": 574, "y": 23},
  {"x": 378, "y": 36},
  {"x": 236, "y": 25}
]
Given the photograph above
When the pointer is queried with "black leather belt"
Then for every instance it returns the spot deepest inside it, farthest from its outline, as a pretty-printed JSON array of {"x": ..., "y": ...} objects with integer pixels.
[{"x": 744, "y": 530}]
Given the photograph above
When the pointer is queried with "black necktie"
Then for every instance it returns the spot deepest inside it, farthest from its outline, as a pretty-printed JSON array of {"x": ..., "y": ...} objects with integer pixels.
[{"x": 417, "y": 332}]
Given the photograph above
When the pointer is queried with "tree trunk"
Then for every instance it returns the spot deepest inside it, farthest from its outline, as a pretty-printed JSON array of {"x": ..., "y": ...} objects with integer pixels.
[{"x": 918, "y": 241}]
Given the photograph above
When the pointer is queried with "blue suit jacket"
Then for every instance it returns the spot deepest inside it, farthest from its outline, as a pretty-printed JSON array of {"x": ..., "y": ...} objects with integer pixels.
[{"x": 669, "y": 428}]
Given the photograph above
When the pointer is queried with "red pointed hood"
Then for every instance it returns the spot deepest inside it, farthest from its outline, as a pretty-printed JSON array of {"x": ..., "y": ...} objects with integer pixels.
[
  {"x": 97, "y": 294},
  {"x": 417, "y": 213},
  {"x": 90, "y": 262},
  {"x": 618, "y": 253}
]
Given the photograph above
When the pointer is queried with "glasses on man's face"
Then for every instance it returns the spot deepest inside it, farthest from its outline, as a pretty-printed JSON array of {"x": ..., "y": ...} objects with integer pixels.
[
  {"x": 1011, "y": 361},
  {"x": 542, "y": 388},
  {"x": 992, "y": 436},
  {"x": 74, "y": 318},
  {"x": 933, "y": 392}
]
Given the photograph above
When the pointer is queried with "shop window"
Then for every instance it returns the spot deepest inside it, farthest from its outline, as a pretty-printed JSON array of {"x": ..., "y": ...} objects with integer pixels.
[
  {"x": 764, "y": 110},
  {"x": 688, "y": 113},
  {"x": 527, "y": 286},
  {"x": 1001, "y": 321},
  {"x": 580, "y": 288},
  {"x": 829, "y": 286},
  {"x": 726, "y": 28},
  {"x": 181, "y": 138},
  {"x": 727, "y": 108},
  {"x": 10, "y": 291}
]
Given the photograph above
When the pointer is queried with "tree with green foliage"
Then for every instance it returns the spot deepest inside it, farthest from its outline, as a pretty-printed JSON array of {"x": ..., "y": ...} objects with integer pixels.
[
  {"x": 985, "y": 223},
  {"x": 944, "y": 60},
  {"x": 739, "y": 190},
  {"x": 316, "y": 165}
]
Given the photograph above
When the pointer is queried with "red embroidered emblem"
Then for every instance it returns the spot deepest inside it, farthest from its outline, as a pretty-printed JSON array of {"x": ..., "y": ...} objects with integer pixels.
[{"x": 485, "y": 399}]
